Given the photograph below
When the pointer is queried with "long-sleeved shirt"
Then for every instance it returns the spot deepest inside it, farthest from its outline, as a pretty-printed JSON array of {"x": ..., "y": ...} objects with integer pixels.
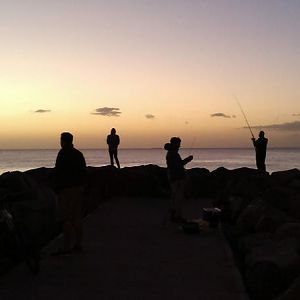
[
  {"x": 175, "y": 165},
  {"x": 113, "y": 141},
  {"x": 260, "y": 147},
  {"x": 70, "y": 168}
]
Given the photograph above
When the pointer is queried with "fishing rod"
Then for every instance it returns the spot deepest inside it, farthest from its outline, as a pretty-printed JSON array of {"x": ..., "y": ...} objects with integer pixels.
[
  {"x": 237, "y": 100},
  {"x": 193, "y": 142}
]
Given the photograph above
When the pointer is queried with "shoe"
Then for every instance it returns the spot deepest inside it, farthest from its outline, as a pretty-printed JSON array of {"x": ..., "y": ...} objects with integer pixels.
[{"x": 61, "y": 252}]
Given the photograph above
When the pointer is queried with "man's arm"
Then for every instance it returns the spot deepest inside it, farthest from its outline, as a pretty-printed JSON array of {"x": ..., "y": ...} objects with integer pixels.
[{"x": 187, "y": 159}]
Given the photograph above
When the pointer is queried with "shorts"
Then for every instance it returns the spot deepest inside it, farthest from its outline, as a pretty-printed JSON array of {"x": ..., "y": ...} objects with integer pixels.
[{"x": 70, "y": 204}]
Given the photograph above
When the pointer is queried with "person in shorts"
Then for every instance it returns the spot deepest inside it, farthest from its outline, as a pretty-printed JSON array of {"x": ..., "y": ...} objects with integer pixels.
[{"x": 70, "y": 174}]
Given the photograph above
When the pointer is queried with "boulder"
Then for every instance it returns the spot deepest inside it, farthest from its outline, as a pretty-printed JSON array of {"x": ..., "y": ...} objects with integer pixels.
[
  {"x": 271, "y": 219},
  {"x": 285, "y": 177},
  {"x": 288, "y": 230},
  {"x": 38, "y": 216},
  {"x": 245, "y": 188},
  {"x": 279, "y": 197},
  {"x": 233, "y": 207},
  {"x": 249, "y": 217},
  {"x": 271, "y": 267},
  {"x": 197, "y": 182},
  {"x": 17, "y": 182},
  {"x": 295, "y": 184},
  {"x": 293, "y": 291},
  {"x": 264, "y": 281},
  {"x": 248, "y": 242},
  {"x": 294, "y": 206}
]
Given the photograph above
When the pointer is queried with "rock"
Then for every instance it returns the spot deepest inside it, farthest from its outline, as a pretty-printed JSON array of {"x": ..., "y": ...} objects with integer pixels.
[
  {"x": 279, "y": 197},
  {"x": 245, "y": 189},
  {"x": 142, "y": 181},
  {"x": 219, "y": 180},
  {"x": 38, "y": 216},
  {"x": 294, "y": 206},
  {"x": 271, "y": 267},
  {"x": 233, "y": 207},
  {"x": 264, "y": 281},
  {"x": 248, "y": 242},
  {"x": 245, "y": 172},
  {"x": 295, "y": 184},
  {"x": 197, "y": 183},
  {"x": 43, "y": 176},
  {"x": 33, "y": 205},
  {"x": 293, "y": 292},
  {"x": 288, "y": 230},
  {"x": 271, "y": 219},
  {"x": 248, "y": 219},
  {"x": 285, "y": 177},
  {"x": 16, "y": 182}
]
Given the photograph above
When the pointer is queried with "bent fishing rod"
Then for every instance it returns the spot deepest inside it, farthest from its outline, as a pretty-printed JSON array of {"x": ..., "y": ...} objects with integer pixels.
[{"x": 237, "y": 100}]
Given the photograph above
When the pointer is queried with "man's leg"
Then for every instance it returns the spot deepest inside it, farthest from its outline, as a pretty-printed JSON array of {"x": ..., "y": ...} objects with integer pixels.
[
  {"x": 179, "y": 197},
  {"x": 261, "y": 165},
  {"x": 116, "y": 158},
  {"x": 65, "y": 211},
  {"x": 111, "y": 156},
  {"x": 77, "y": 217}
]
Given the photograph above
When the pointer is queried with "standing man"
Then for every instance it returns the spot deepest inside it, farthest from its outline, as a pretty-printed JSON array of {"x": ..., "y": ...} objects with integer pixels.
[
  {"x": 70, "y": 175},
  {"x": 113, "y": 141},
  {"x": 260, "y": 146},
  {"x": 176, "y": 175}
]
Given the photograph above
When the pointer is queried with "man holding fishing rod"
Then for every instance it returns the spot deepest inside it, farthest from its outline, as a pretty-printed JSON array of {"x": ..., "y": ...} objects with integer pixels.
[{"x": 260, "y": 146}]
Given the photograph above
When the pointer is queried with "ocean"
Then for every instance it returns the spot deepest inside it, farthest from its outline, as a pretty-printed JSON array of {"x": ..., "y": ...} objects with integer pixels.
[{"x": 231, "y": 158}]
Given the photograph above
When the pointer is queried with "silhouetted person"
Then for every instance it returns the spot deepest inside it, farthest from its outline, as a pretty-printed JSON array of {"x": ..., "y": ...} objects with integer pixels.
[
  {"x": 113, "y": 141},
  {"x": 70, "y": 174},
  {"x": 261, "y": 149},
  {"x": 176, "y": 175}
]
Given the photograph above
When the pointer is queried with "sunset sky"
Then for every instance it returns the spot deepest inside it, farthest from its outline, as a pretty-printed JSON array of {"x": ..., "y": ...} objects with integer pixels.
[{"x": 150, "y": 68}]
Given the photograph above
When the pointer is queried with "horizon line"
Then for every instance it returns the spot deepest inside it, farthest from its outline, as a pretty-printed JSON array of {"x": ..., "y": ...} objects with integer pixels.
[{"x": 144, "y": 148}]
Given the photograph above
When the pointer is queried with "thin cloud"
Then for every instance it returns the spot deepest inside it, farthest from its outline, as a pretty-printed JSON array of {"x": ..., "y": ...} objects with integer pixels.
[
  {"x": 289, "y": 126},
  {"x": 107, "y": 111},
  {"x": 150, "y": 116},
  {"x": 220, "y": 115},
  {"x": 41, "y": 111}
]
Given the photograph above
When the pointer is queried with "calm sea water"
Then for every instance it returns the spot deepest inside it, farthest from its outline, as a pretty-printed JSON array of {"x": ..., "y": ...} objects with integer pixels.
[{"x": 277, "y": 159}]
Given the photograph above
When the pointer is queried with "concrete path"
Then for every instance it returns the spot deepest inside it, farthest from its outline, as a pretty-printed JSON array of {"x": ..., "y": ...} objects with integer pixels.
[{"x": 130, "y": 255}]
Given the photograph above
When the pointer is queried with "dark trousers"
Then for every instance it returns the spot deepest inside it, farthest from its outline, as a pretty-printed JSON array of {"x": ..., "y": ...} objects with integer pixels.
[
  {"x": 113, "y": 154},
  {"x": 260, "y": 164}
]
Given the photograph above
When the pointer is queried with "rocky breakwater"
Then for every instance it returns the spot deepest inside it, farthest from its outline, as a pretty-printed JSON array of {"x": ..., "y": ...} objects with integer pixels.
[
  {"x": 260, "y": 213},
  {"x": 33, "y": 206},
  {"x": 261, "y": 218},
  {"x": 33, "y": 201}
]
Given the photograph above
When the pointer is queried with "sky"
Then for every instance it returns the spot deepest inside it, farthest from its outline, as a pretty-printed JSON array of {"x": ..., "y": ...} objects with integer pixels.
[{"x": 152, "y": 69}]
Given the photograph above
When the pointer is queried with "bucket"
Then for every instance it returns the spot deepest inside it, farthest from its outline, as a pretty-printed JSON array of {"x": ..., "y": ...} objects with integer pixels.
[{"x": 212, "y": 216}]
